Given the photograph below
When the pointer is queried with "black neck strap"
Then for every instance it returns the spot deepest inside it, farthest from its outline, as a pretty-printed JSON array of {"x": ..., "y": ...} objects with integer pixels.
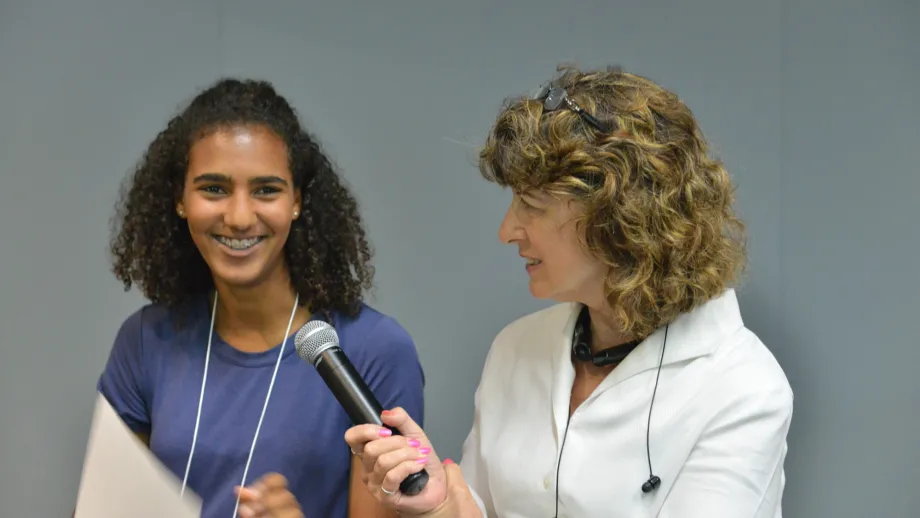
[{"x": 581, "y": 344}]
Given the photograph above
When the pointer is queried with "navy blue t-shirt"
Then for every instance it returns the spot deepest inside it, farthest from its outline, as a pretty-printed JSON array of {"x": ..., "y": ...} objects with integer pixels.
[{"x": 153, "y": 381}]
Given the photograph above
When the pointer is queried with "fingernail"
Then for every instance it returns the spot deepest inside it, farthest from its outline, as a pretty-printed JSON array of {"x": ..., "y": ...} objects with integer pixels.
[
  {"x": 387, "y": 412},
  {"x": 422, "y": 460},
  {"x": 414, "y": 443},
  {"x": 448, "y": 461},
  {"x": 386, "y": 432},
  {"x": 424, "y": 451}
]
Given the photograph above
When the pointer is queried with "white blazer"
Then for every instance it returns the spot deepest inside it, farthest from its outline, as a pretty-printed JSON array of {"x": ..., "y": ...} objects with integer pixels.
[{"x": 718, "y": 426}]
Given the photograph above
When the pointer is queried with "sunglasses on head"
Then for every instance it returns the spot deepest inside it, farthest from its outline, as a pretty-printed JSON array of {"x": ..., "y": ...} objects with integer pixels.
[{"x": 555, "y": 98}]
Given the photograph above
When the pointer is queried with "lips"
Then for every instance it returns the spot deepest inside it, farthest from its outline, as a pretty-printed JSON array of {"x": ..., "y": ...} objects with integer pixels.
[{"x": 239, "y": 244}]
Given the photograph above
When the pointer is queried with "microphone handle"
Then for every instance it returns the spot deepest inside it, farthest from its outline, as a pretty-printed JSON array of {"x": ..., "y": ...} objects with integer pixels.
[{"x": 359, "y": 403}]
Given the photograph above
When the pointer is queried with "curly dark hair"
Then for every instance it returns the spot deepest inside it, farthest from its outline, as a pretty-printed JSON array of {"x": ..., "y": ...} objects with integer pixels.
[
  {"x": 326, "y": 252},
  {"x": 658, "y": 206}
]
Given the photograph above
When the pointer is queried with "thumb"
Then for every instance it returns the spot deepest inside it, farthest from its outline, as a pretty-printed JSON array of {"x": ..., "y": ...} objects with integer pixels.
[
  {"x": 458, "y": 492},
  {"x": 453, "y": 472},
  {"x": 398, "y": 418}
]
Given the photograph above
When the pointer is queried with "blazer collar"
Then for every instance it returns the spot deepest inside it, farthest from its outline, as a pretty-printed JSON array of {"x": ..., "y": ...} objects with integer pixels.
[{"x": 692, "y": 335}]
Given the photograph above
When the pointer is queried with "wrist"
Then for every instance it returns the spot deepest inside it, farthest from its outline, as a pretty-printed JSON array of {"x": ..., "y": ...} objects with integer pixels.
[{"x": 459, "y": 503}]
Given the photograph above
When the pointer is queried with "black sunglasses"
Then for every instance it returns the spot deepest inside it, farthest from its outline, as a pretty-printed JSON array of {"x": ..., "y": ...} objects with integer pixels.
[{"x": 555, "y": 98}]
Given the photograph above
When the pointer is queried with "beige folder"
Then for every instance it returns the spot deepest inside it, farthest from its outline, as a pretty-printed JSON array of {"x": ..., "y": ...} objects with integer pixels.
[{"x": 123, "y": 479}]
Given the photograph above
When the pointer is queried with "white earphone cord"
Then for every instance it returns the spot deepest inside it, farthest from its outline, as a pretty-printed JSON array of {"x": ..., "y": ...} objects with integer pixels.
[{"x": 204, "y": 379}]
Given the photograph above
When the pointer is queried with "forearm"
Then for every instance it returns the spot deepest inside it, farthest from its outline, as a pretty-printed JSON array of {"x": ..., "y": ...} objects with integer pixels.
[
  {"x": 465, "y": 508},
  {"x": 468, "y": 508},
  {"x": 361, "y": 504}
]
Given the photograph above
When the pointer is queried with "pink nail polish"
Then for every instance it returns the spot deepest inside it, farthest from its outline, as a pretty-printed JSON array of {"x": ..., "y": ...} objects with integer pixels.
[
  {"x": 386, "y": 432},
  {"x": 424, "y": 451},
  {"x": 414, "y": 443},
  {"x": 422, "y": 460}
]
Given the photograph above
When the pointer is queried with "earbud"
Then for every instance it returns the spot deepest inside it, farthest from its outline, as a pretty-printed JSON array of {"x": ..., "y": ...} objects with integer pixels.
[{"x": 651, "y": 484}]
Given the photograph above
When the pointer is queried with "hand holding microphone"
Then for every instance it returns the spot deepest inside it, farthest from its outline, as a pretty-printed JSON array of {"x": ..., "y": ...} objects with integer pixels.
[
  {"x": 394, "y": 463},
  {"x": 447, "y": 494},
  {"x": 388, "y": 459},
  {"x": 318, "y": 343}
]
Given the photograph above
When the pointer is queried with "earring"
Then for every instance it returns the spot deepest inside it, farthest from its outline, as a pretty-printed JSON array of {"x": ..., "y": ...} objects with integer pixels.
[
  {"x": 296, "y": 214},
  {"x": 181, "y": 213}
]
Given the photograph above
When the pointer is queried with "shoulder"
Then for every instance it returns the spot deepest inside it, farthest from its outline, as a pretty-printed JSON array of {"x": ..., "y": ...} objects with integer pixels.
[
  {"x": 535, "y": 325},
  {"x": 745, "y": 371},
  {"x": 728, "y": 374},
  {"x": 384, "y": 354},
  {"x": 151, "y": 326},
  {"x": 536, "y": 332},
  {"x": 527, "y": 344},
  {"x": 723, "y": 357},
  {"x": 372, "y": 334},
  {"x": 143, "y": 346}
]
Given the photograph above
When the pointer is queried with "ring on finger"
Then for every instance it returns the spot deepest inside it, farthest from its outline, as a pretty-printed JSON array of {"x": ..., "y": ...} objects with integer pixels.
[
  {"x": 356, "y": 454},
  {"x": 391, "y": 493}
]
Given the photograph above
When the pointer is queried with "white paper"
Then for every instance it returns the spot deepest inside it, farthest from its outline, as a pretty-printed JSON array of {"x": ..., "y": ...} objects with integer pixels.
[{"x": 122, "y": 478}]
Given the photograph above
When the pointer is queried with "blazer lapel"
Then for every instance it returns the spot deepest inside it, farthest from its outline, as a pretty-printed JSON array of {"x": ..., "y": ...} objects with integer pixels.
[{"x": 563, "y": 374}]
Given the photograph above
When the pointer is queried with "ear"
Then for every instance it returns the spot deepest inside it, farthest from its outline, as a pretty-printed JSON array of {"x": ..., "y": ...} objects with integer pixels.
[
  {"x": 298, "y": 201},
  {"x": 180, "y": 210}
]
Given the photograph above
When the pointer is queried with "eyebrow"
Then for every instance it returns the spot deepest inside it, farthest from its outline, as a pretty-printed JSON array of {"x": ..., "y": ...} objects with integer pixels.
[{"x": 223, "y": 178}]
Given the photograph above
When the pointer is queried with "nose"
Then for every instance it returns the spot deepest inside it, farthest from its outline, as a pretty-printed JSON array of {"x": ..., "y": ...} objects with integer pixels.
[
  {"x": 240, "y": 214},
  {"x": 510, "y": 230}
]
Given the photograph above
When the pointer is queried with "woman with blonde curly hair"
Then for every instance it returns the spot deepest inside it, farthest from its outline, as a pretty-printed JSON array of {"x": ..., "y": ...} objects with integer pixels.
[{"x": 641, "y": 393}]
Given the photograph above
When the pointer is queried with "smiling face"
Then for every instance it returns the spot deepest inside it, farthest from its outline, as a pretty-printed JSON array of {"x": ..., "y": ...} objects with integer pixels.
[
  {"x": 239, "y": 201},
  {"x": 544, "y": 229}
]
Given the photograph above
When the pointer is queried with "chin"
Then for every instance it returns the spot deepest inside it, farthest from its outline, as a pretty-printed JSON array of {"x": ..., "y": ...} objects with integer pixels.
[
  {"x": 546, "y": 292},
  {"x": 239, "y": 276},
  {"x": 238, "y": 279},
  {"x": 540, "y": 291}
]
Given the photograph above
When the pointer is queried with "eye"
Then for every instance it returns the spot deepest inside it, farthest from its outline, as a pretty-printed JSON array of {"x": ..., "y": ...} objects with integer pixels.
[
  {"x": 527, "y": 205},
  {"x": 212, "y": 189},
  {"x": 267, "y": 191}
]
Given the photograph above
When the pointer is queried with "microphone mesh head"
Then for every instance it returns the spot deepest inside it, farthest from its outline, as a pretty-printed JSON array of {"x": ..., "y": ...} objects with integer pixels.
[{"x": 313, "y": 338}]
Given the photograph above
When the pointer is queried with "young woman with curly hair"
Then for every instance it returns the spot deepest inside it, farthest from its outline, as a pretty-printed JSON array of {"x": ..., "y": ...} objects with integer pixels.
[
  {"x": 238, "y": 230},
  {"x": 641, "y": 393}
]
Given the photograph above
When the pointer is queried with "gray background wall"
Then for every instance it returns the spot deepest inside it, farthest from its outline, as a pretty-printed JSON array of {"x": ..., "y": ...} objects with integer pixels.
[{"x": 812, "y": 103}]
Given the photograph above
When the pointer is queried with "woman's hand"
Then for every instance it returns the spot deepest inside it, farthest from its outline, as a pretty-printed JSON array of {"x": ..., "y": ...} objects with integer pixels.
[
  {"x": 268, "y": 497},
  {"x": 388, "y": 459}
]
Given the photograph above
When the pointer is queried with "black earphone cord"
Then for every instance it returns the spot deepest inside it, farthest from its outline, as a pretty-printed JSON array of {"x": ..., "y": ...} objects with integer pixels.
[{"x": 653, "y": 481}]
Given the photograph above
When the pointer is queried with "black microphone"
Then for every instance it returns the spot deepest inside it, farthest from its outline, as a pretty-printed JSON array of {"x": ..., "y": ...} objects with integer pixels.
[{"x": 318, "y": 343}]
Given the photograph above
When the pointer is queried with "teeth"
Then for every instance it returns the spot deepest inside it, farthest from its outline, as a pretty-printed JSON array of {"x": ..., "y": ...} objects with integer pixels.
[
  {"x": 239, "y": 244},
  {"x": 533, "y": 262}
]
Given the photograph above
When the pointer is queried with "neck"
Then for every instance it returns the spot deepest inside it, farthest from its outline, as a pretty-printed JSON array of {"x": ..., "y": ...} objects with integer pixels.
[
  {"x": 264, "y": 309},
  {"x": 606, "y": 330}
]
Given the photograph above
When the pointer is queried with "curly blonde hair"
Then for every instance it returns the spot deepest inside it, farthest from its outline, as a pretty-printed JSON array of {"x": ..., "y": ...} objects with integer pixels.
[{"x": 658, "y": 208}]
